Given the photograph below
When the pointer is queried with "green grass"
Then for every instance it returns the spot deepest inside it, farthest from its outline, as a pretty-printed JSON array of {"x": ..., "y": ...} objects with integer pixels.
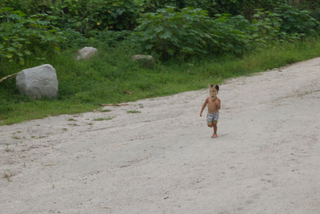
[
  {"x": 102, "y": 119},
  {"x": 83, "y": 85},
  {"x": 133, "y": 112},
  {"x": 106, "y": 110}
]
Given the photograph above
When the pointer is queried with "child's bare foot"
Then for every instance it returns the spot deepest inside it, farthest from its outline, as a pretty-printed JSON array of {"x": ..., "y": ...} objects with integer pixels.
[{"x": 214, "y": 135}]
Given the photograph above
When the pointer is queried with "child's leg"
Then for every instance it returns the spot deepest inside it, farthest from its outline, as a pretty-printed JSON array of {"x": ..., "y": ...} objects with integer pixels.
[
  {"x": 215, "y": 127},
  {"x": 215, "y": 122},
  {"x": 209, "y": 120}
]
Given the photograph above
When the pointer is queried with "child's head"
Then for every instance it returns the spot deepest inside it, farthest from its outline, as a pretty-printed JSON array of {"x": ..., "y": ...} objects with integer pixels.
[
  {"x": 216, "y": 87},
  {"x": 213, "y": 90}
]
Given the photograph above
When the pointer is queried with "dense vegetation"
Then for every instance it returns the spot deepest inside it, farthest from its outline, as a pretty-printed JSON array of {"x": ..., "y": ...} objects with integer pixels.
[{"x": 193, "y": 41}]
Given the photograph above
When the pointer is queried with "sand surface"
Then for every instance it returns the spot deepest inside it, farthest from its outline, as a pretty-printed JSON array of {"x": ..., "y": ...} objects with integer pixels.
[{"x": 163, "y": 160}]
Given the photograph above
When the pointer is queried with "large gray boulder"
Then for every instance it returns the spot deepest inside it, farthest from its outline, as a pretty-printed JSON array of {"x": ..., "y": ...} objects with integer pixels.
[
  {"x": 37, "y": 82},
  {"x": 86, "y": 53}
]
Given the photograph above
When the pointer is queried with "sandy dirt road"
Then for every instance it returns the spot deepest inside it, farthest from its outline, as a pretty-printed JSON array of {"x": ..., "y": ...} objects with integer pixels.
[{"x": 162, "y": 160}]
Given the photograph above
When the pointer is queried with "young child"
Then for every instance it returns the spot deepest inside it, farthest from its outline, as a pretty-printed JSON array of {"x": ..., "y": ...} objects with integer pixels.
[{"x": 214, "y": 105}]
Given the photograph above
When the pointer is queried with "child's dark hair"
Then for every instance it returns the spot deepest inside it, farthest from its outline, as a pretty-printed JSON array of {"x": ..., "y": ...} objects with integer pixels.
[{"x": 217, "y": 87}]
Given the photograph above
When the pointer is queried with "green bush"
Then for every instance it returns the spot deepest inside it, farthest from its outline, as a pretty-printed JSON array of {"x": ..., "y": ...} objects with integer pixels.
[
  {"x": 191, "y": 32},
  {"x": 83, "y": 16},
  {"x": 113, "y": 38},
  {"x": 91, "y": 16},
  {"x": 234, "y": 7},
  {"x": 286, "y": 24},
  {"x": 21, "y": 36},
  {"x": 294, "y": 21}
]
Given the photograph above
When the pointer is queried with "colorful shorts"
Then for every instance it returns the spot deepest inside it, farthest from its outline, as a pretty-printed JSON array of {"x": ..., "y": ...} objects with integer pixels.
[{"x": 212, "y": 117}]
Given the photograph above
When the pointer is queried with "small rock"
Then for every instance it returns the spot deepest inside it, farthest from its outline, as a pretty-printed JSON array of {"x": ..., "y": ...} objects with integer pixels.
[
  {"x": 86, "y": 53},
  {"x": 144, "y": 60}
]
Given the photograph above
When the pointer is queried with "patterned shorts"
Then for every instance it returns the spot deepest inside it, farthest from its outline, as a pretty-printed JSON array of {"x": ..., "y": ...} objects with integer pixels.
[{"x": 212, "y": 117}]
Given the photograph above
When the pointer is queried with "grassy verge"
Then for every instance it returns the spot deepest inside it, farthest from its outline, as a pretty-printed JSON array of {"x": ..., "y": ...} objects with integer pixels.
[{"x": 83, "y": 85}]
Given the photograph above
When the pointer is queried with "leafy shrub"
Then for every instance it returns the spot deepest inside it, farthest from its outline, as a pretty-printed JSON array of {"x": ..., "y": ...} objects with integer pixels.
[
  {"x": 295, "y": 21},
  {"x": 90, "y": 16},
  {"x": 232, "y": 34},
  {"x": 316, "y": 14},
  {"x": 73, "y": 39},
  {"x": 234, "y": 7},
  {"x": 113, "y": 38},
  {"x": 154, "y": 5},
  {"x": 285, "y": 24},
  {"x": 83, "y": 15},
  {"x": 21, "y": 36},
  {"x": 266, "y": 26},
  {"x": 190, "y": 32}
]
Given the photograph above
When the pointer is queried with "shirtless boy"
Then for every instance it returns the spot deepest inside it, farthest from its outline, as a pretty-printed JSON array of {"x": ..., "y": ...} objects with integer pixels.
[{"x": 214, "y": 105}]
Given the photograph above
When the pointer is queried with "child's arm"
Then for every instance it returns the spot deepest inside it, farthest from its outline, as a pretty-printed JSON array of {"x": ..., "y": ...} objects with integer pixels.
[
  {"x": 203, "y": 106},
  {"x": 218, "y": 103}
]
